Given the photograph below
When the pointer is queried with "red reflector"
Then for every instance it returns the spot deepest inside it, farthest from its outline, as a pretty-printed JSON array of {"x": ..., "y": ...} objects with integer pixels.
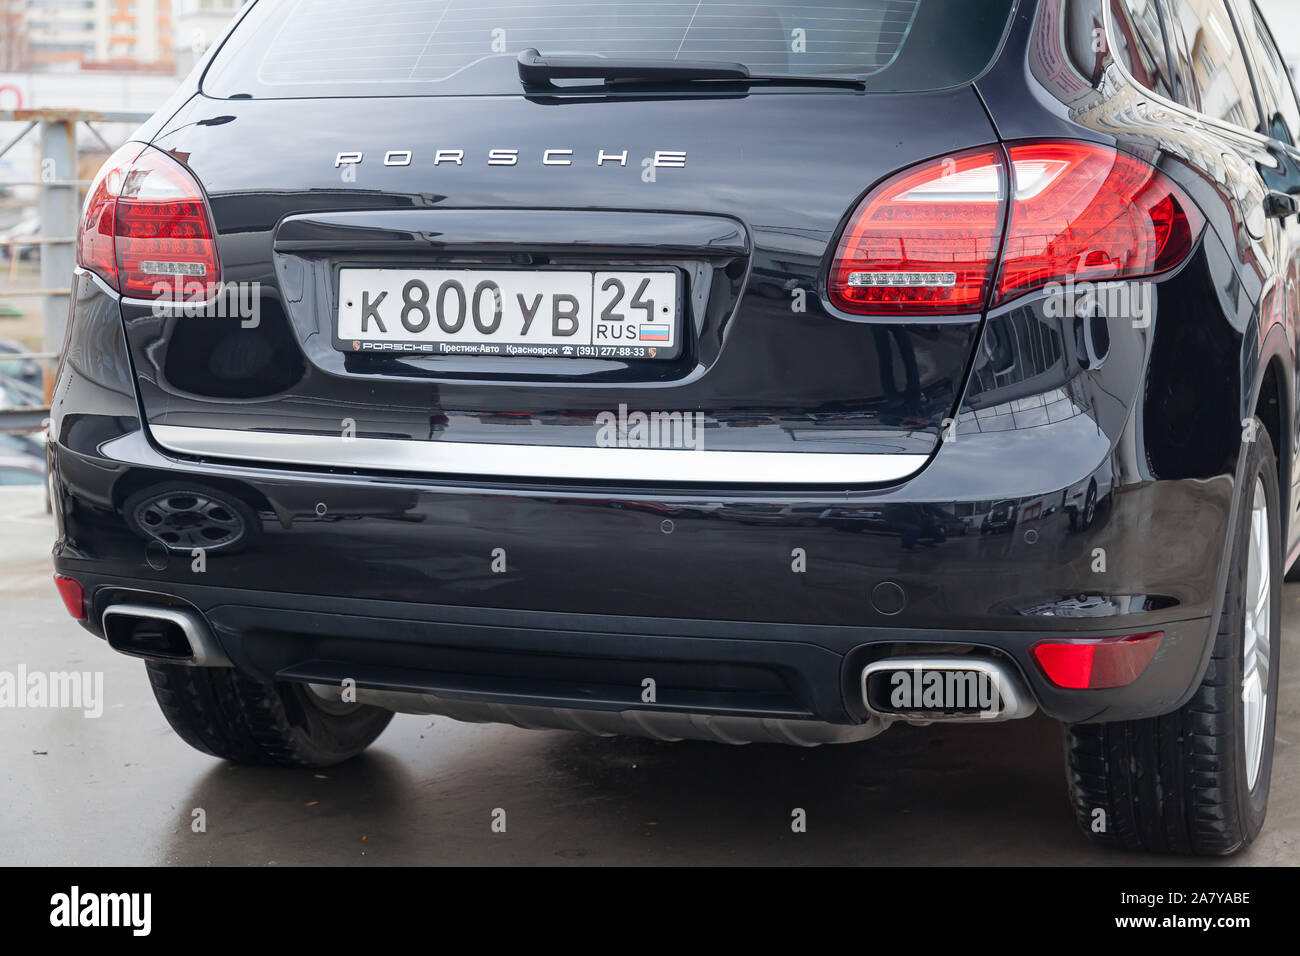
[
  {"x": 145, "y": 229},
  {"x": 1093, "y": 664},
  {"x": 925, "y": 241},
  {"x": 1091, "y": 214},
  {"x": 74, "y": 599}
]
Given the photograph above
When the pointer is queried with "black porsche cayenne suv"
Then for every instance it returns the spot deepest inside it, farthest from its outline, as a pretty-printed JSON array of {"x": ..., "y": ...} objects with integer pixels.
[{"x": 753, "y": 373}]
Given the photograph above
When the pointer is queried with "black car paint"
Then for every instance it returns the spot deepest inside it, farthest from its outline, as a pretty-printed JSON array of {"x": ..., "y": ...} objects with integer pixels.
[
  {"x": 596, "y": 572},
  {"x": 769, "y": 213}
]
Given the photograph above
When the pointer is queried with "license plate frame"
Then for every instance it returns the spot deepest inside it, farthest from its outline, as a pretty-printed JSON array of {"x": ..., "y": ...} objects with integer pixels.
[{"x": 358, "y": 286}]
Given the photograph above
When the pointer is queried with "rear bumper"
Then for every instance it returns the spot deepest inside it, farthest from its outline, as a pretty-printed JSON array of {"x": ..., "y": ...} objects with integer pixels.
[
  {"x": 755, "y": 603},
  {"x": 527, "y": 600},
  {"x": 777, "y": 672}
]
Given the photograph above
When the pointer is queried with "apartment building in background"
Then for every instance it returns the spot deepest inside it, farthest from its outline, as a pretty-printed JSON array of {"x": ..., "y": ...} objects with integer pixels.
[
  {"x": 95, "y": 34},
  {"x": 13, "y": 42},
  {"x": 198, "y": 24}
]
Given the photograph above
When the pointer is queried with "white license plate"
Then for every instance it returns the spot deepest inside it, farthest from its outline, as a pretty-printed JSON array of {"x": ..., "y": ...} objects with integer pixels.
[{"x": 509, "y": 312}]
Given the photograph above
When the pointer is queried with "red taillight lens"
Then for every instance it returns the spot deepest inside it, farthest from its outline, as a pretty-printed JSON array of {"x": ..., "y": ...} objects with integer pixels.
[
  {"x": 1096, "y": 663},
  {"x": 74, "y": 598},
  {"x": 145, "y": 229},
  {"x": 924, "y": 242},
  {"x": 1089, "y": 213},
  {"x": 95, "y": 247}
]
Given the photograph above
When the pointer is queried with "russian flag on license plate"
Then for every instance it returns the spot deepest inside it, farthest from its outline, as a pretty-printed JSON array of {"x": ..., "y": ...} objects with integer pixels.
[{"x": 654, "y": 333}]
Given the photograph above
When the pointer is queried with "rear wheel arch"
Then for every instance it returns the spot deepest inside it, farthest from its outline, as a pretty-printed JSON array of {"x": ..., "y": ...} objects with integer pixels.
[{"x": 1272, "y": 404}]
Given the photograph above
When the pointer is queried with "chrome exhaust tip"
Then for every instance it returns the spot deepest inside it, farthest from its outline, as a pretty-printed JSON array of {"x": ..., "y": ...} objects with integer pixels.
[
  {"x": 925, "y": 690},
  {"x": 165, "y": 634}
]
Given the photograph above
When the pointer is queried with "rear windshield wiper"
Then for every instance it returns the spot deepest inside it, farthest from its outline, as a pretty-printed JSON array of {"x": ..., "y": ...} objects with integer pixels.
[{"x": 537, "y": 71}]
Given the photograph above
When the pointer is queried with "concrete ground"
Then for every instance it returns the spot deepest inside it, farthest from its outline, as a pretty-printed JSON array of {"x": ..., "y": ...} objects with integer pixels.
[{"x": 123, "y": 789}]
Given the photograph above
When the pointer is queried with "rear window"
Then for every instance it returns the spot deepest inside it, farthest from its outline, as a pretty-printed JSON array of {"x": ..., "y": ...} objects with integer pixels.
[{"x": 298, "y": 48}]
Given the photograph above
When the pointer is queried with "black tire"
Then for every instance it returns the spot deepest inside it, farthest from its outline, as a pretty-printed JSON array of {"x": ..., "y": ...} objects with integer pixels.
[
  {"x": 222, "y": 712},
  {"x": 1178, "y": 783}
]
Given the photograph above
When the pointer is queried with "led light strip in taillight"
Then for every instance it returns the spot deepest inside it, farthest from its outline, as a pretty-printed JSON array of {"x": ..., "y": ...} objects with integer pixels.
[
  {"x": 924, "y": 241},
  {"x": 902, "y": 280},
  {"x": 146, "y": 228},
  {"x": 930, "y": 240}
]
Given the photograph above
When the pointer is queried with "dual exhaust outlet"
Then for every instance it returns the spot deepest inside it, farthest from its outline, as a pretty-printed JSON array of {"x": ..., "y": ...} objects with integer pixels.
[
  {"x": 914, "y": 689},
  {"x": 168, "y": 635},
  {"x": 952, "y": 689}
]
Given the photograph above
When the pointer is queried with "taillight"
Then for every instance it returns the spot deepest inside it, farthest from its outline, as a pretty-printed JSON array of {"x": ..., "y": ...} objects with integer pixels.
[
  {"x": 1090, "y": 214},
  {"x": 1090, "y": 664},
  {"x": 95, "y": 237},
  {"x": 145, "y": 228},
  {"x": 926, "y": 241}
]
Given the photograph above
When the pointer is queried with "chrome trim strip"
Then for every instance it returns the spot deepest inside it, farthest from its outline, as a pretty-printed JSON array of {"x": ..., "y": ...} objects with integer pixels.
[{"x": 539, "y": 461}]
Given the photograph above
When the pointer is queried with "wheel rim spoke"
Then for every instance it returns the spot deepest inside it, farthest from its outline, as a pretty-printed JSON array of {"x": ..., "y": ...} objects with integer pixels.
[{"x": 1256, "y": 635}]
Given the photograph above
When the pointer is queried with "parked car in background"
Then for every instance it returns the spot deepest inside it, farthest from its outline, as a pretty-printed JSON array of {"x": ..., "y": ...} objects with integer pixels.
[
  {"x": 23, "y": 444},
  {"x": 29, "y": 228},
  {"x": 13, "y": 394},
  {"x": 23, "y": 461},
  {"x": 21, "y": 470},
  {"x": 24, "y": 373}
]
